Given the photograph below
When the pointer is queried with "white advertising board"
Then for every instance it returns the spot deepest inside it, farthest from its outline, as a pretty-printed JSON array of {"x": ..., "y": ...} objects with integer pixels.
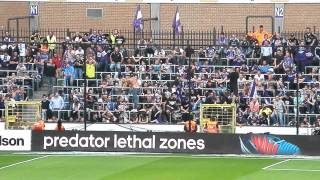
[{"x": 15, "y": 140}]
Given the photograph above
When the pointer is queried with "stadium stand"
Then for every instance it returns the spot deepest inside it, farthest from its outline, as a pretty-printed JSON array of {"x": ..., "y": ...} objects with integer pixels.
[{"x": 148, "y": 83}]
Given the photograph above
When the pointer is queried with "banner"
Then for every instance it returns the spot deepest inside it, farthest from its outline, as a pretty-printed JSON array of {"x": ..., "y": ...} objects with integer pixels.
[
  {"x": 134, "y": 142},
  {"x": 15, "y": 140},
  {"x": 149, "y": 142}
]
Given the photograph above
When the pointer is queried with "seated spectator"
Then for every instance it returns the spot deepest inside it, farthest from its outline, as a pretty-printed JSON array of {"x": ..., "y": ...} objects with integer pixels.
[{"x": 264, "y": 68}]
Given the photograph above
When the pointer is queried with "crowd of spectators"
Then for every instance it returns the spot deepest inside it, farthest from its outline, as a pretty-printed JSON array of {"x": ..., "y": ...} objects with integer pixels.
[{"x": 258, "y": 72}]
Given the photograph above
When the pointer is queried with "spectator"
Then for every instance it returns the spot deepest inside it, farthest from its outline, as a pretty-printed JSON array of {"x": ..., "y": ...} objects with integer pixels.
[
  {"x": 116, "y": 60},
  {"x": 266, "y": 53},
  {"x": 68, "y": 73},
  {"x": 233, "y": 41},
  {"x": 78, "y": 64},
  {"x": 56, "y": 104},
  {"x": 52, "y": 40},
  {"x": 91, "y": 68},
  {"x": 101, "y": 60},
  {"x": 50, "y": 74},
  {"x": 279, "y": 110},
  {"x": 264, "y": 68},
  {"x": 254, "y": 107},
  {"x": 14, "y": 61},
  {"x": 309, "y": 38},
  {"x": 56, "y": 60},
  {"x": 75, "y": 110},
  {"x": 233, "y": 78},
  {"x": 46, "y": 112},
  {"x": 292, "y": 44},
  {"x": 260, "y": 34}
]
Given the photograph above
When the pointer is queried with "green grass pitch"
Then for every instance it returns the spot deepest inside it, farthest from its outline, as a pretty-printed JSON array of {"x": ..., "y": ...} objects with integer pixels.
[{"x": 154, "y": 167}]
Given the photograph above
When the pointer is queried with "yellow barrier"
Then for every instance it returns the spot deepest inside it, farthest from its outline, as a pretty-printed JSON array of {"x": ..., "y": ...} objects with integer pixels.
[
  {"x": 21, "y": 114},
  {"x": 224, "y": 114}
]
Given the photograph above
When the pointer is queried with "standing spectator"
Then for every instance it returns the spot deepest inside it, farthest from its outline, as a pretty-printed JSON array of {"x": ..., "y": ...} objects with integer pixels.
[
  {"x": 21, "y": 70},
  {"x": 309, "y": 38},
  {"x": 14, "y": 61},
  {"x": 279, "y": 110},
  {"x": 56, "y": 104},
  {"x": 93, "y": 37},
  {"x": 78, "y": 64},
  {"x": 266, "y": 53},
  {"x": 52, "y": 40},
  {"x": 50, "y": 74},
  {"x": 233, "y": 77},
  {"x": 113, "y": 36},
  {"x": 91, "y": 68},
  {"x": 46, "y": 113},
  {"x": 301, "y": 57},
  {"x": 116, "y": 59},
  {"x": 223, "y": 45},
  {"x": 8, "y": 38},
  {"x": 120, "y": 40},
  {"x": 292, "y": 44},
  {"x": 254, "y": 107},
  {"x": 101, "y": 60},
  {"x": 231, "y": 55},
  {"x": 56, "y": 60},
  {"x": 260, "y": 34},
  {"x": 4, "y": 60},
  {"x": 22, "y": 50},
  {"x": 234, "y": 41},
  {"x": 76, "y": 110},
  {"x": 201, "y": 56},
  {"x": 69, "y": 55},
  {"x": 68, "y": 73}
]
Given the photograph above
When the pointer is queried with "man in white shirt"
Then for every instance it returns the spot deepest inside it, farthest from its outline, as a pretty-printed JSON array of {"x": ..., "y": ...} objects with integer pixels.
[
  {"x": 56, "y": 104},
  {"x": 22, "y": 50},
  {"x": 266, "y": 53}
]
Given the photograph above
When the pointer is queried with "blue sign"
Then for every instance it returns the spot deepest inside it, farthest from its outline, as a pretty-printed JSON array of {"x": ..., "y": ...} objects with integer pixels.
[
  {"x": 279, "y": 12},
  {"x": 34, "y": 10}
]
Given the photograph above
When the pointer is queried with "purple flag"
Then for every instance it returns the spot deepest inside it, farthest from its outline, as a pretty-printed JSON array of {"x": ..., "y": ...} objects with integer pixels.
[
  {"x": 138, "y": 21},
  {"x": 176, "y": 24},
  {"x": 253, "y": 90}
]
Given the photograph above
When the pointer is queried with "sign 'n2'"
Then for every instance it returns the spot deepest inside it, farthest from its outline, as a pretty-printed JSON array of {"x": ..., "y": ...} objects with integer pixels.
[{"x": 279, "y": 12}]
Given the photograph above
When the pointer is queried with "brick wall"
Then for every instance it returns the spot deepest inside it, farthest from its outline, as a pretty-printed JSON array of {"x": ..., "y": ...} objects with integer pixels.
[
  {"x": 13, "y": 9},
  {"x": 207, "y": 16},
  {"x": 299, "y": 16},
  {"x": 73, "y": 16},
  {"x": 193, "y": 16}
]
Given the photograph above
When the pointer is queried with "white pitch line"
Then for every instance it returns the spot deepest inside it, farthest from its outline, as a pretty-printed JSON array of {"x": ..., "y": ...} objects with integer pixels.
[
  {"x": 301, "y": 170},
  {"x": 23, "y": 162},
  {"x": 267, "y": 167}
]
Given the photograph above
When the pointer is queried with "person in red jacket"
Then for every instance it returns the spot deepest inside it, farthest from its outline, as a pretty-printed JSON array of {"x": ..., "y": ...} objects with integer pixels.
[{"x": 56, "y": 60}]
